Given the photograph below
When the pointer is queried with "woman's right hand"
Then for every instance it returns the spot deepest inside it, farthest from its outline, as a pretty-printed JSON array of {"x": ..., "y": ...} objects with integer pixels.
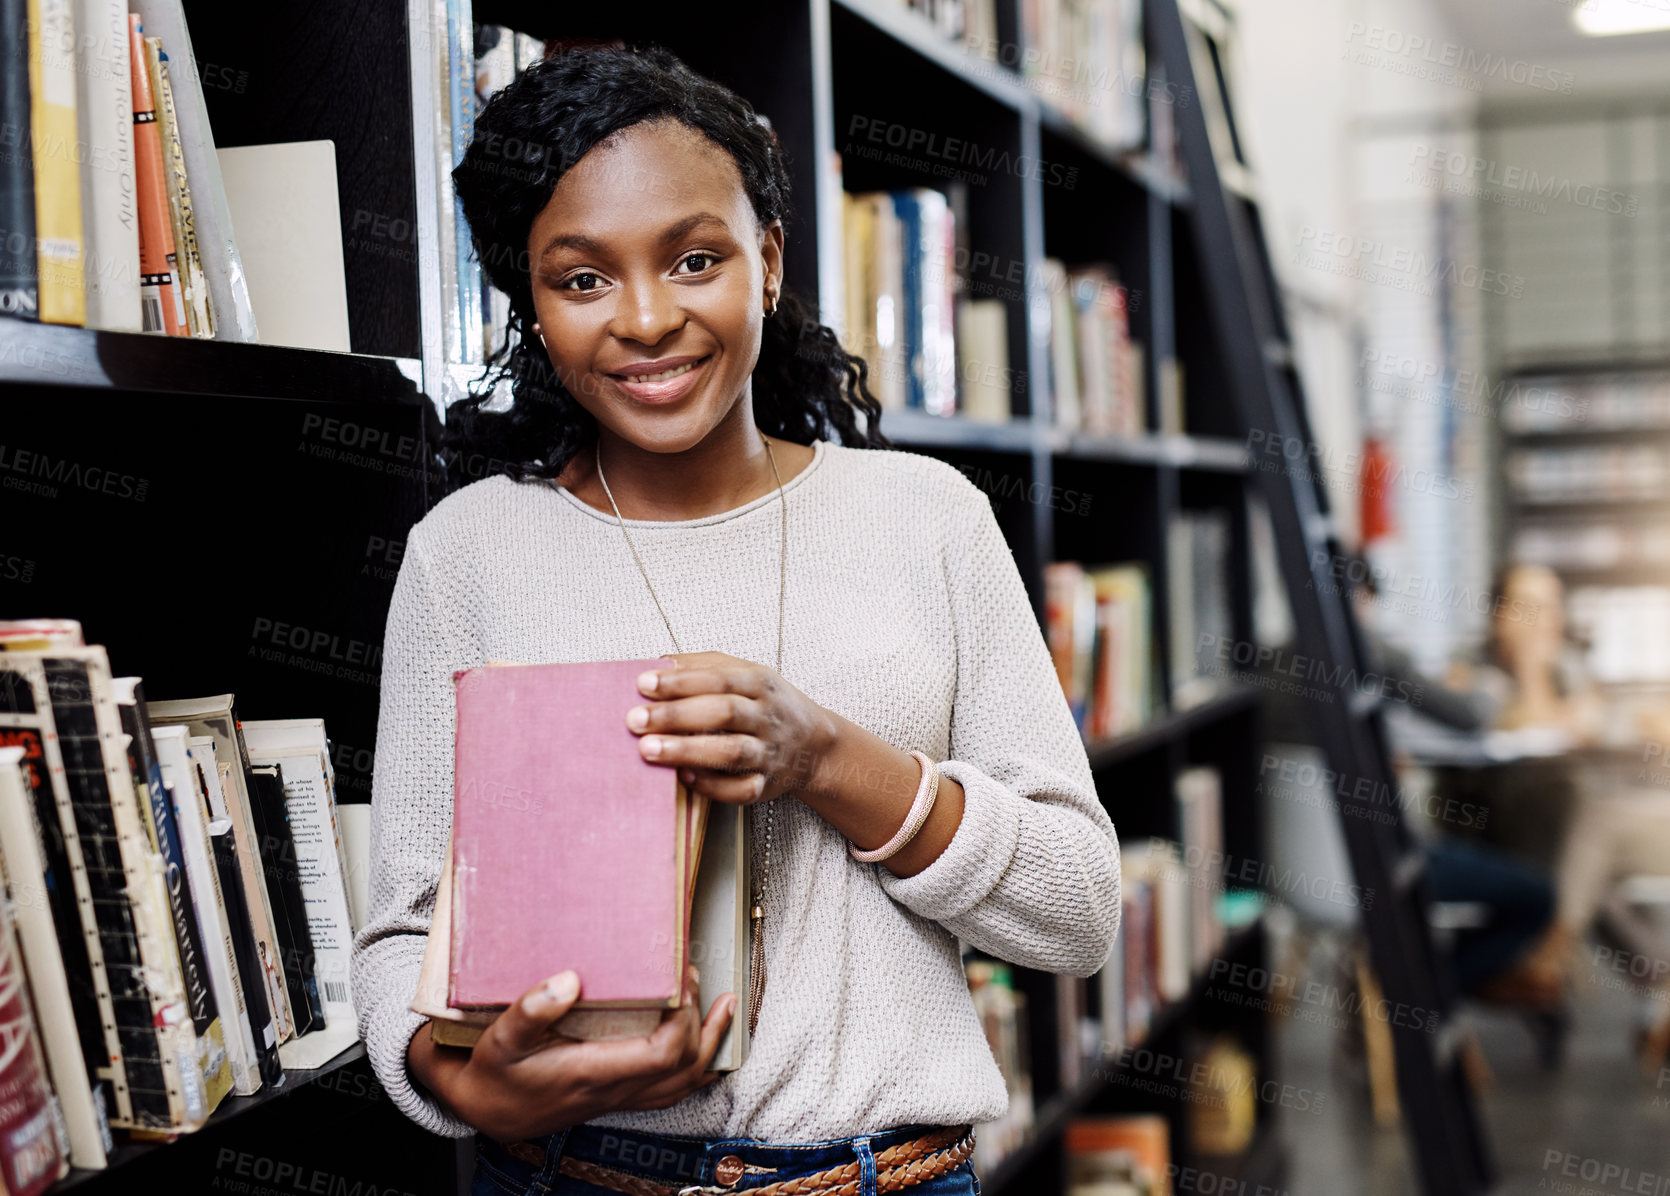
[{"x": 518, "y": 1084}]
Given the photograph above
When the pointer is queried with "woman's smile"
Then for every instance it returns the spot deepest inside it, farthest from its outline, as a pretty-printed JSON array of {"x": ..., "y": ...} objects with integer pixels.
[{"x": 666, "y": 384}]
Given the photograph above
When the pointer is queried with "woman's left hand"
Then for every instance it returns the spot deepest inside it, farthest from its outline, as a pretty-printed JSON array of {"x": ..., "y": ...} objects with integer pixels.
[{"x": 736, "y": 731}]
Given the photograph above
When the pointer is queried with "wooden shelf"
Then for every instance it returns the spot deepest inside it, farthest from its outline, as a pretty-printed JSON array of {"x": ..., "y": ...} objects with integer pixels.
[
  {"x": 55, "y": 355},
  {"x": 1053, "y": 1116},
  {"x": 232, "y": 1106},
  {"x": 1169, "y": 727}
]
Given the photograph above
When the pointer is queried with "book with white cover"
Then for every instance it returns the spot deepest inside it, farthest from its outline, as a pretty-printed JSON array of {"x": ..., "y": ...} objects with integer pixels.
[
  {"x": 355, "y": 818},
  {"x": 283, "y": 199},
  {"x": 179, "y": 774},
  {"x": 25, "y": 871},
  {"x": 109, "y": 194},
  {"x": 222, "y": 264},
  {"x": 216, "y": 717},
  {"x": 300, "y": 748}
]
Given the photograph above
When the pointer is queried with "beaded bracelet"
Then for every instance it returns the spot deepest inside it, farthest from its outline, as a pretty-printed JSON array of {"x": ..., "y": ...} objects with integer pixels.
[{"x": 926, "y": 793}]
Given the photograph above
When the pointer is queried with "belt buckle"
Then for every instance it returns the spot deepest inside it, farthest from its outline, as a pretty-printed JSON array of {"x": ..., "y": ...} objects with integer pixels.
[{"x": 731, "y": 1166}]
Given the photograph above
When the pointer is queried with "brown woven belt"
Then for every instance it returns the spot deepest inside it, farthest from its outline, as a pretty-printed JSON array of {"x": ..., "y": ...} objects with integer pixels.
[{"x": 897, "y": 1167}]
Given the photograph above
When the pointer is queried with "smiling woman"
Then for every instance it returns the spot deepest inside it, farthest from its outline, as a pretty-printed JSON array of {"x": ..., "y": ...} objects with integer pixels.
[{"x": 692, "y": 461}]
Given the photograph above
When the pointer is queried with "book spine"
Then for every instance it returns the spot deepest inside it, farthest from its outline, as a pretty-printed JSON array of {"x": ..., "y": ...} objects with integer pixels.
[
  {"x": 440, "y": 77},
  {"x": 257, "y": 900},
  {"x": 163, "y": 831},
  {"x": 28, "y": 723},
  {"x": 280, "y": 862},
  {"x": 195, "y": 293},
  {"x": 310, "y": 816},
  {"x": 30, "y": 887},
  {"x": 129, "y": 898},
  {"x": 52, "y": 119},
  {"x": 227, "y": 287},
  {"x": 255, "y": 980},
  {"x": 20, "y": 290},
  {"x": 109, "y": 209},
  {"x": 461, "y": 85},
  {"x": 909, "y": 321},
  {"x": 191, "y": 814},
  {"x": 160, "y": 306},
  {"x": 32, "y": 1146}
]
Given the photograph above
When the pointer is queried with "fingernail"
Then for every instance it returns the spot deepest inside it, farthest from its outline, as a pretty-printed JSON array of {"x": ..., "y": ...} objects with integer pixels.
[
  {"x": 652, "y": 746},
  {"x": 649, "y": 682},
  {"x": 638, "y": 717},
  {"x": 563, "y": 987}
]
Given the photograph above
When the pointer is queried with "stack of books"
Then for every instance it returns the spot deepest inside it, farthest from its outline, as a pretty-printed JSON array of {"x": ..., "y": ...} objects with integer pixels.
[
  {"x": 1096, "y": 369},
  {"x": 1098, "y": 623},
  {"x": 113, "y": 203},
  {"x": 177, "y": 882},
  {"x": 639, "y": 876},
  {"x": 1085, "y": 57}
]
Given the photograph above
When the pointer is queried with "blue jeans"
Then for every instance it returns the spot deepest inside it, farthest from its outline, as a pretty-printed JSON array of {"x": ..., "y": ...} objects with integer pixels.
[{"x": 530, "y": 1168}]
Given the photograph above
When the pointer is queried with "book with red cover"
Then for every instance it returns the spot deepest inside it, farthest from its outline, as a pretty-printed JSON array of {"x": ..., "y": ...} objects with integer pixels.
[
  {"x": 570, "y": 850},
  {"x": 33, "y": 1151},
  {"x": 160, "y": 303}
]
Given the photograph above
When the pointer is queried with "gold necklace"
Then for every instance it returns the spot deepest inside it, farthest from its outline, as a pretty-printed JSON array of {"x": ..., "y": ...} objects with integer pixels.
[{"x": 756, "y": 970}]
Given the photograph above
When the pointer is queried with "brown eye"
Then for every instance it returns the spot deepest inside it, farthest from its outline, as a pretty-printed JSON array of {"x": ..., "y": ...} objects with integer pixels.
[
  {"x": 707, "y": 258},
  {"x": 567, "y": 284}
]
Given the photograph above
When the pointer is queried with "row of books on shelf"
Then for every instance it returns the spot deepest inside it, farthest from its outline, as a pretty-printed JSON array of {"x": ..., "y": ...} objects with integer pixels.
[
  {"x": 1098, "y": 623},
  {"x": 1593, "y": 473},
  {"x": 180, "y": 904},
  {"x": 1569, "y": 544},
  {"x": 913, "y": 312},
  {"x": 1627, "y": 629},
  {"x": 111, "y": 196},
  {"x": 1587, "y": 402},
  {"x": 1172, "y": 926},
  {"x": 1083, "y": 57},
  {"x": 1131, "y": 1154}
]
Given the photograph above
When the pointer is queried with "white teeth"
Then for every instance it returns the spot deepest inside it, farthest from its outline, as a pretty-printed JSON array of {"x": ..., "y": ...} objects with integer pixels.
[{"x": 665, "y": 374}]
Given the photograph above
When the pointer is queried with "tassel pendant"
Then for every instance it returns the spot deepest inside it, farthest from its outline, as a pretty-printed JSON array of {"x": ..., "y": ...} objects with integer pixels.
[{"x": 756, "y": 969}]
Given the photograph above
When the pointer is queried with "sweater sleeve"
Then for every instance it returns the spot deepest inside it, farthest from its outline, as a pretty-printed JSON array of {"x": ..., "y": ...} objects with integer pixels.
[
  {"x": 1032, "y": 873},
  {"x": 411, "y": 813}
]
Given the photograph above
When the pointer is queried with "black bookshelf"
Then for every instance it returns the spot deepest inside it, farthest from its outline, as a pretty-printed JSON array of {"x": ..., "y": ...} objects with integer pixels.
[{"x": 232, "y": 443}]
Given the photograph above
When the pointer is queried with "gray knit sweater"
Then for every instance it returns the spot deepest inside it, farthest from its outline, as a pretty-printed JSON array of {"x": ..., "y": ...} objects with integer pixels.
[{"x": 906, "y": 614}]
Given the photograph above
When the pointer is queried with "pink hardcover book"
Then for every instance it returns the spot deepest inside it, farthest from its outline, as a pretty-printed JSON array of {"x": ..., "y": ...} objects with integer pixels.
[{"x": 569, "y": 848}]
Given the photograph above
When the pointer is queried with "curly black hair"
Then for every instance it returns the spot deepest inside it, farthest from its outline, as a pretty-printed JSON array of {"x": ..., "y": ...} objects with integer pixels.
[{"x": 806, "y": 386}]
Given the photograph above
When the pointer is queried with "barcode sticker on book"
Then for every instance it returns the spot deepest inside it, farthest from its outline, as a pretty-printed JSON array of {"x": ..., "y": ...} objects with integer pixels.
[
  {"x": 150, "y": 311},
  {"x": 336, "y": 991}
]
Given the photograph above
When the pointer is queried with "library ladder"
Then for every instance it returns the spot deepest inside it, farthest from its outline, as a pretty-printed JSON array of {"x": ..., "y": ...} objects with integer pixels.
[{"x": 1189, "y": 44}]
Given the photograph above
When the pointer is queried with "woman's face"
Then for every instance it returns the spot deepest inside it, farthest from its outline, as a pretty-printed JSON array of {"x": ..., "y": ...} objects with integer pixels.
[{"x": 650, "y": 279}]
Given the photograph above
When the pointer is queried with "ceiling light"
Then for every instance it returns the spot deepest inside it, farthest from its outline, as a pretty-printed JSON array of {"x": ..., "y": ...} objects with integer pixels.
[{"x": 1608, "y": 18}]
